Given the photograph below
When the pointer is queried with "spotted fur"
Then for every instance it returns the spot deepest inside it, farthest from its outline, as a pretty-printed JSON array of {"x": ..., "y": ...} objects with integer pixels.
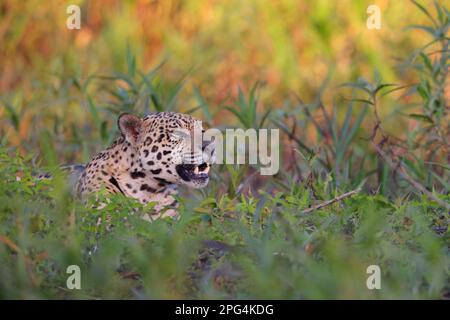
[{"x": 148, "y": 160}]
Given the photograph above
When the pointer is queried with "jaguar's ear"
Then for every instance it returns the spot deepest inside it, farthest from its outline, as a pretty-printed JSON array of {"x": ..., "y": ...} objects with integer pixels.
[{"x": 129, "y": 126}]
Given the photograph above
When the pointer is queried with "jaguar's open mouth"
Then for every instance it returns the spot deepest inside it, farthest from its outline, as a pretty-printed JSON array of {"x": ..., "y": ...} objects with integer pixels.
[{"x": 193, "y": 172}]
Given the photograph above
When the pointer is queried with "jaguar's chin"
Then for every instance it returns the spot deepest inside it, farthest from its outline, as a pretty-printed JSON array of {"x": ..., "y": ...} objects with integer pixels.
[{"x": 194, "y": 175}]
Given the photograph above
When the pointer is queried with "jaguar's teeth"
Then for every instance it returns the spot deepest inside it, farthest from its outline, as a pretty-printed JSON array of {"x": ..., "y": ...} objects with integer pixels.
[
  {"x": 206, "y": 170},
  {"x": 196, "y": 170}
]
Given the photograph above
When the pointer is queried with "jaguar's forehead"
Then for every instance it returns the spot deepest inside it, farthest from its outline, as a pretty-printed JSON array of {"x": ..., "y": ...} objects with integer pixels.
[{"x": 170, "y": 120}]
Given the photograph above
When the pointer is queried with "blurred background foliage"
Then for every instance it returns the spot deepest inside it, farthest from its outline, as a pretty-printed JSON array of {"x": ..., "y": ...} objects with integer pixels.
[
  {"x": 291, "y": 47},
  {"x": 357, "y": 108}
]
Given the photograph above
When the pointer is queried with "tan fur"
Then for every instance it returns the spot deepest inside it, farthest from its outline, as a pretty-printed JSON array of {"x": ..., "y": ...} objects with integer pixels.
[{"x": 142, "y": 162}]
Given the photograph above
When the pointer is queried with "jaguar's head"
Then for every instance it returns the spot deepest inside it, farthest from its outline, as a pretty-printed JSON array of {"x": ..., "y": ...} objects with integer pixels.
[{"x": 170, "y": 147}]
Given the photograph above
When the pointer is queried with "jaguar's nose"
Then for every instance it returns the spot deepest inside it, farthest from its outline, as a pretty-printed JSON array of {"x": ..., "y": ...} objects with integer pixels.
[{"x": 206, "y": 143}]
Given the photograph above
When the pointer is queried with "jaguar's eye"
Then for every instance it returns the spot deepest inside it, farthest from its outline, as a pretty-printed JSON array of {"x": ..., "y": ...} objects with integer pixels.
[{"x": 180, "y": 134}]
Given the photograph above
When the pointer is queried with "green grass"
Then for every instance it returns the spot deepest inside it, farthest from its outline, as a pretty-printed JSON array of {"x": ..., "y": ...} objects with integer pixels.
[
  {"x": 243, "y": 236},
  {"x": 223, "y": 246}
]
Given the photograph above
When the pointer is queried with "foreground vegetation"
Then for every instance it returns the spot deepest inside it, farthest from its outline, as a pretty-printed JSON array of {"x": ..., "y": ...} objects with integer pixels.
[
  {"x": 228, "y": 246},
  {"x": 291, "y": 236}
]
